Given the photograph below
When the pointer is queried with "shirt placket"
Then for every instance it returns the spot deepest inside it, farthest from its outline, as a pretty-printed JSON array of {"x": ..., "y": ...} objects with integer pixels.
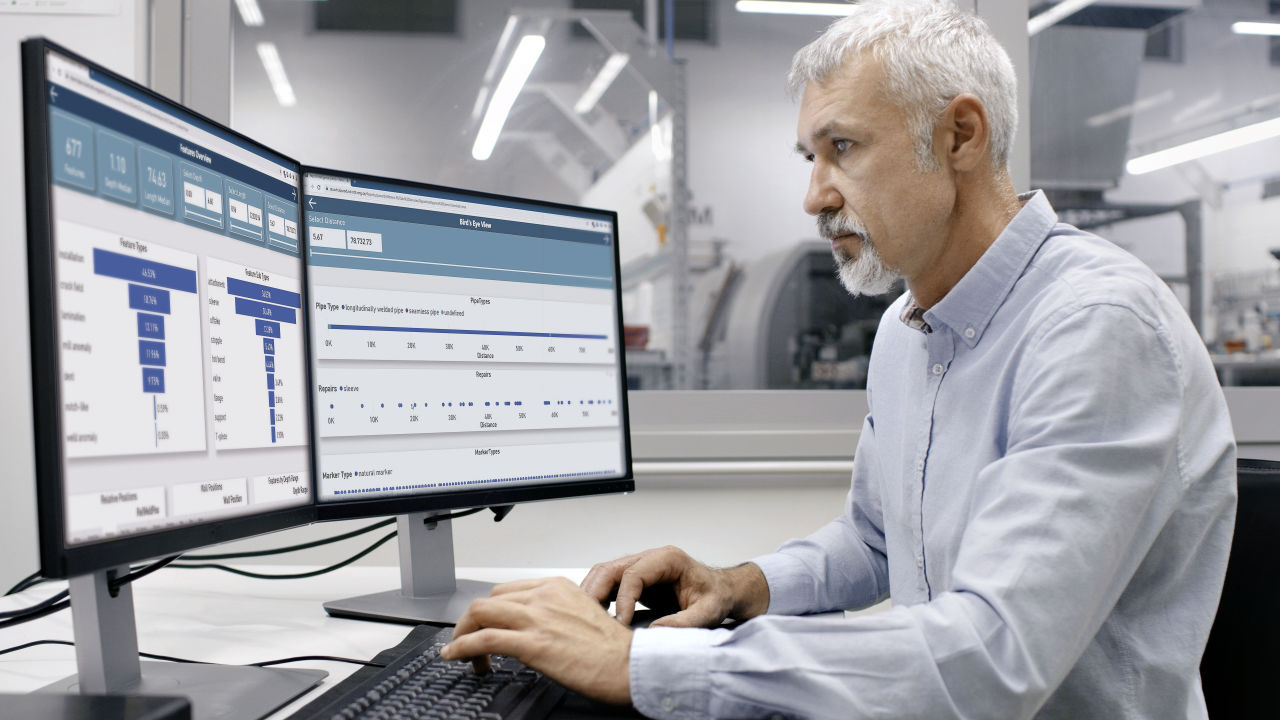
[{"x": 940, "y": 350}]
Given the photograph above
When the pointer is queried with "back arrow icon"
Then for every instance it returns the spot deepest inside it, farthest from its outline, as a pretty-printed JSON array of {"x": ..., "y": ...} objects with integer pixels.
[
  {"x": 53, "y": 93},
  {"x": 312, "y": 203}
]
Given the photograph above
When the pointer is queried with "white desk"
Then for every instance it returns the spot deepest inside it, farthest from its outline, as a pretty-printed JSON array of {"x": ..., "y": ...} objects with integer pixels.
[{"x": 218, "y": 617}]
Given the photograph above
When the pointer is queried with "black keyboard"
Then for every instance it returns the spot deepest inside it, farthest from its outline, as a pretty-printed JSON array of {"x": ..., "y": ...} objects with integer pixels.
[{"x": 418, "y": 683}]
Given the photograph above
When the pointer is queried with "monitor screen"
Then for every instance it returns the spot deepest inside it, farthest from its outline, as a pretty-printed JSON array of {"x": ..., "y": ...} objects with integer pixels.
[
  {"x": 167, "y": 321},
  {"x": 465, "y": 347}
]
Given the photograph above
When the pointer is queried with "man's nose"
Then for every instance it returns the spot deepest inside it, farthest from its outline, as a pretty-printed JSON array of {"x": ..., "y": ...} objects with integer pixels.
[{"x": 822, "y": 196}]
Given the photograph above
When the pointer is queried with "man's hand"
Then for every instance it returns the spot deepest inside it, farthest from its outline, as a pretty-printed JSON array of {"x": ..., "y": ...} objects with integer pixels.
[
  {"x": 553, "y": 627},
  {"x": 666, "y": 579}
]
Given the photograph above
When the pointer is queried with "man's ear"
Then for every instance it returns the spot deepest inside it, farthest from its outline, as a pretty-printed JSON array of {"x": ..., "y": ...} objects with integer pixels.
[{"x": 965, "y": 133}]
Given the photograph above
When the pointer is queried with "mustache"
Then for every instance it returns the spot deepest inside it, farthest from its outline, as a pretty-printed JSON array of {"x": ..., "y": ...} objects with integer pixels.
[{"x": 832, "y": 225}]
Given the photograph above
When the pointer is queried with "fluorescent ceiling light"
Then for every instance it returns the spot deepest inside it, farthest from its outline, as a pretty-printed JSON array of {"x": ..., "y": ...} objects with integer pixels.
[
  {"x": 504, "y": 95},
  {"x": 775, "y": 7},
  {"x": 1197, "y": 149},
  {"x": 1256, "y": 28},
  {"x": 250, "y": 13},
  {"x": 603, "y": 80},
  {"x": 1058, "y": 12},
  {"x": 275, "y": 73}
]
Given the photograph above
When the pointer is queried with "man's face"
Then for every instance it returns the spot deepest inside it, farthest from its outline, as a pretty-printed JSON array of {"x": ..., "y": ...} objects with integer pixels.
[{"x": 884, "y": 217}]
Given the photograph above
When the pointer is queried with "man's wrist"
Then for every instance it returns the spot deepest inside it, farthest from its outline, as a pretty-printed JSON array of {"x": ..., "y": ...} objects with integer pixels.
[{"x": 749, "y": 591}]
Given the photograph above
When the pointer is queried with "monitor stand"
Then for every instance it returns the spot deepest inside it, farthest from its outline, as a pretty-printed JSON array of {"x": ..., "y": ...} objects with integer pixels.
[
  {"x": 107, "y": 661},
  {"x": 430, "y": 591}
]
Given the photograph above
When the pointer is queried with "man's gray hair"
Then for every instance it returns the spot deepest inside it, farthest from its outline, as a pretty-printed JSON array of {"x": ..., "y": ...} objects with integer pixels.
[{"x": 930, "y": 52}]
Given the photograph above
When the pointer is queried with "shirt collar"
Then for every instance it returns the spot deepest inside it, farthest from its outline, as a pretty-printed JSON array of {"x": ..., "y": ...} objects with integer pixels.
[{"x": 968, "y": 308}]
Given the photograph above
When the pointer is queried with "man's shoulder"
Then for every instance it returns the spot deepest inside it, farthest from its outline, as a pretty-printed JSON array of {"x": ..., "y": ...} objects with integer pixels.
[{"x": 1075, "y": 270}]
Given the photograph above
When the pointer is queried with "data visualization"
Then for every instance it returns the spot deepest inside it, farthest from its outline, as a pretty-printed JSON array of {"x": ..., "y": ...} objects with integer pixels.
[
  {"x": 255, "y": 340},
  {"x": 130, "y": 326},
  {"x": 459, "y": 341},
  {"x": 178, "y": 304}
]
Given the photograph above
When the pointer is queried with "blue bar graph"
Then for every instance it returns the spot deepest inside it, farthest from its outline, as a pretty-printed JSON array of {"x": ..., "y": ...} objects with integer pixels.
[
  {"x": 152, "y": 380},
  {"x": 271, "y": 381},
  {"x": 271, "y": 398},
  {"x": 268, "y": 346},
  {"x": 255, "y": 309},
  {"x": 458, "y": 331},
  {"x": 126, "y": 267},
  {"x": 151, "y": 353},
  {"x": 268, "y": 329},
  {"x": 150, "y": 326},
  {"x": 271, "y": 363},
  {"x": 149, "y": 299},
  {"x": 254, "y": 291}
]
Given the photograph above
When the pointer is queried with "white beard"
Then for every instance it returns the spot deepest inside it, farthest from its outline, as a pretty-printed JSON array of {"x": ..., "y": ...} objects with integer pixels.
[{"x": 865, "y": 275}]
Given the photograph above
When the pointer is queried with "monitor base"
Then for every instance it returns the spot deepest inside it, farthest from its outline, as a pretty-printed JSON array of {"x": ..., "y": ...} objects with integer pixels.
[
  {"x": 443, "y": 608},
  {"x": 217, "y": 692}
]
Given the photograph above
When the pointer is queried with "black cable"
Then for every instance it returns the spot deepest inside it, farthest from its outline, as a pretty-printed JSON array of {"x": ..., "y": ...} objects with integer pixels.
[
  {"x": 294, "y": 548},
  {"x": 22, "y": 584},
  {"x": 141, "y": 571},
  {"x": 170, "y": 658},
  {"x": 331, "y": 658},
  {"x": 115, "y": 583},
  {"x": 35, "y": 615},
  {"x": 6, "y": 614},
  {"x": 288, "y": 576}
]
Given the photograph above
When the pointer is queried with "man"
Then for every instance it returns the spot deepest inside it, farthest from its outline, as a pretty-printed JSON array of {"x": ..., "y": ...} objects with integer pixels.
[{"x": 1044, "y": 484}]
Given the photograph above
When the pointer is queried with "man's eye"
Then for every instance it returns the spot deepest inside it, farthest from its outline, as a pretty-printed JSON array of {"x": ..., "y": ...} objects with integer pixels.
[
  {"x": 808, "y": 157},
  {"x": 841, "y": 145}
]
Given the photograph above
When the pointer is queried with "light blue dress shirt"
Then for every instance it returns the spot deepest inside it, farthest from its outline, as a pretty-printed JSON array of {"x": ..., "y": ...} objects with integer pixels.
[{"x": 1044, "y": 486}]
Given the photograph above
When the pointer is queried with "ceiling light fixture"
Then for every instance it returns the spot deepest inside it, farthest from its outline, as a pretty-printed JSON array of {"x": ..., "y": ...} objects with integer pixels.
[
  {"x": 504, "y": 95},
  {"x": 1197, "y": 149},
  {"x": 1256, "y": 28},
  {"x": 1055, "y": 14},
  {"x": 275, "y": 73},
  {"x": 608, "y": 73},
  {"x": 250, "y": 13},
  {"x": 775, "y": 7}
]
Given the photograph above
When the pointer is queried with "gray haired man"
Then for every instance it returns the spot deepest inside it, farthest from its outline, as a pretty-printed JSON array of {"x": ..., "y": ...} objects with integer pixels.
[{"x": 1044, "y": 484}]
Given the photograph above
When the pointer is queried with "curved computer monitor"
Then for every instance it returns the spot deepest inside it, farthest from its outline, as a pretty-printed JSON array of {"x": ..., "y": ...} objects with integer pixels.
[
  {"x": 466, "y": 352},
  {"x": 167, "y": 339}
]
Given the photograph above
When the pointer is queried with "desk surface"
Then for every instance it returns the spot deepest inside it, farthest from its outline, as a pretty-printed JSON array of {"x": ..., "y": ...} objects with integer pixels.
[{"x": 218, "y": 617}]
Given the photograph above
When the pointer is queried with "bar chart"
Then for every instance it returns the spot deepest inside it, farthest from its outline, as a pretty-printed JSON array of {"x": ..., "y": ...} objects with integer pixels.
[
  {"x": 129, "y": 328},
  {"x": 256, "y": 357},
  {"x": 370, "y": 324}
]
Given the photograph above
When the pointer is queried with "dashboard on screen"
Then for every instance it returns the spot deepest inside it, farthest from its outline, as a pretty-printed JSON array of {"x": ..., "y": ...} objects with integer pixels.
[
  {"x": 178, "y": 300},
  {"x": 460, "y": 342}
]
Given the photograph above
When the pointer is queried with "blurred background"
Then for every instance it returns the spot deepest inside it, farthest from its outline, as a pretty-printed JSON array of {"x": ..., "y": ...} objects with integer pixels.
[{"x": 676, "y": 115}]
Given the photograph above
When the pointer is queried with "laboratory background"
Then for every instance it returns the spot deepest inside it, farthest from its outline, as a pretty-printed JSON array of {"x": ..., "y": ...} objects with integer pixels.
[{"x": 1154, "y": 123}]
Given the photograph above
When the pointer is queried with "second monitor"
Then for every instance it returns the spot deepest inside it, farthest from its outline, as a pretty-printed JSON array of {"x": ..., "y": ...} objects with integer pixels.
[{"x": 466, "y": 353}]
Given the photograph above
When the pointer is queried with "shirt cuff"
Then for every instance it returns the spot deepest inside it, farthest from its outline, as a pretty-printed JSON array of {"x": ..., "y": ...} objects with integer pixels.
[
  {"x": 792, "y": 590},
  {"x": 670, "y": 673}
]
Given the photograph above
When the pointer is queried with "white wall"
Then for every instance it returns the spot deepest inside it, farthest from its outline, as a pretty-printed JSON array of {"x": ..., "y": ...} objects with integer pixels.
[{"x": 116, "y": 41}]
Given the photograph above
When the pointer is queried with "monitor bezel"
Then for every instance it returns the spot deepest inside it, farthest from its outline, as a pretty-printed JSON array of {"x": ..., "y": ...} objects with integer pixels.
[
  {"x": 432, "y": 502},
  {"x": 57, "y": 559}
]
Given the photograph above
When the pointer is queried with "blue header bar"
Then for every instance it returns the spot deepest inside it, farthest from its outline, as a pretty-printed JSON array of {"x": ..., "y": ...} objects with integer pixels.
[
  {"x": 468, "y": 221},
  {"x": 210, "y": 128},
  {"x": 68, "y": 100},
  {"x": 455, "y": 252}
]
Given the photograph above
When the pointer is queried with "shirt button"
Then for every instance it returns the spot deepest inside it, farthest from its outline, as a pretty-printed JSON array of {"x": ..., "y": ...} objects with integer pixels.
[
  {"x": 668, "y": 704},
  {"x": 919, "y": 464},
  {"x": 937, "y": 368},
  {"x": 970, "y": 332},
  {"x": 919, "y": 561}
]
